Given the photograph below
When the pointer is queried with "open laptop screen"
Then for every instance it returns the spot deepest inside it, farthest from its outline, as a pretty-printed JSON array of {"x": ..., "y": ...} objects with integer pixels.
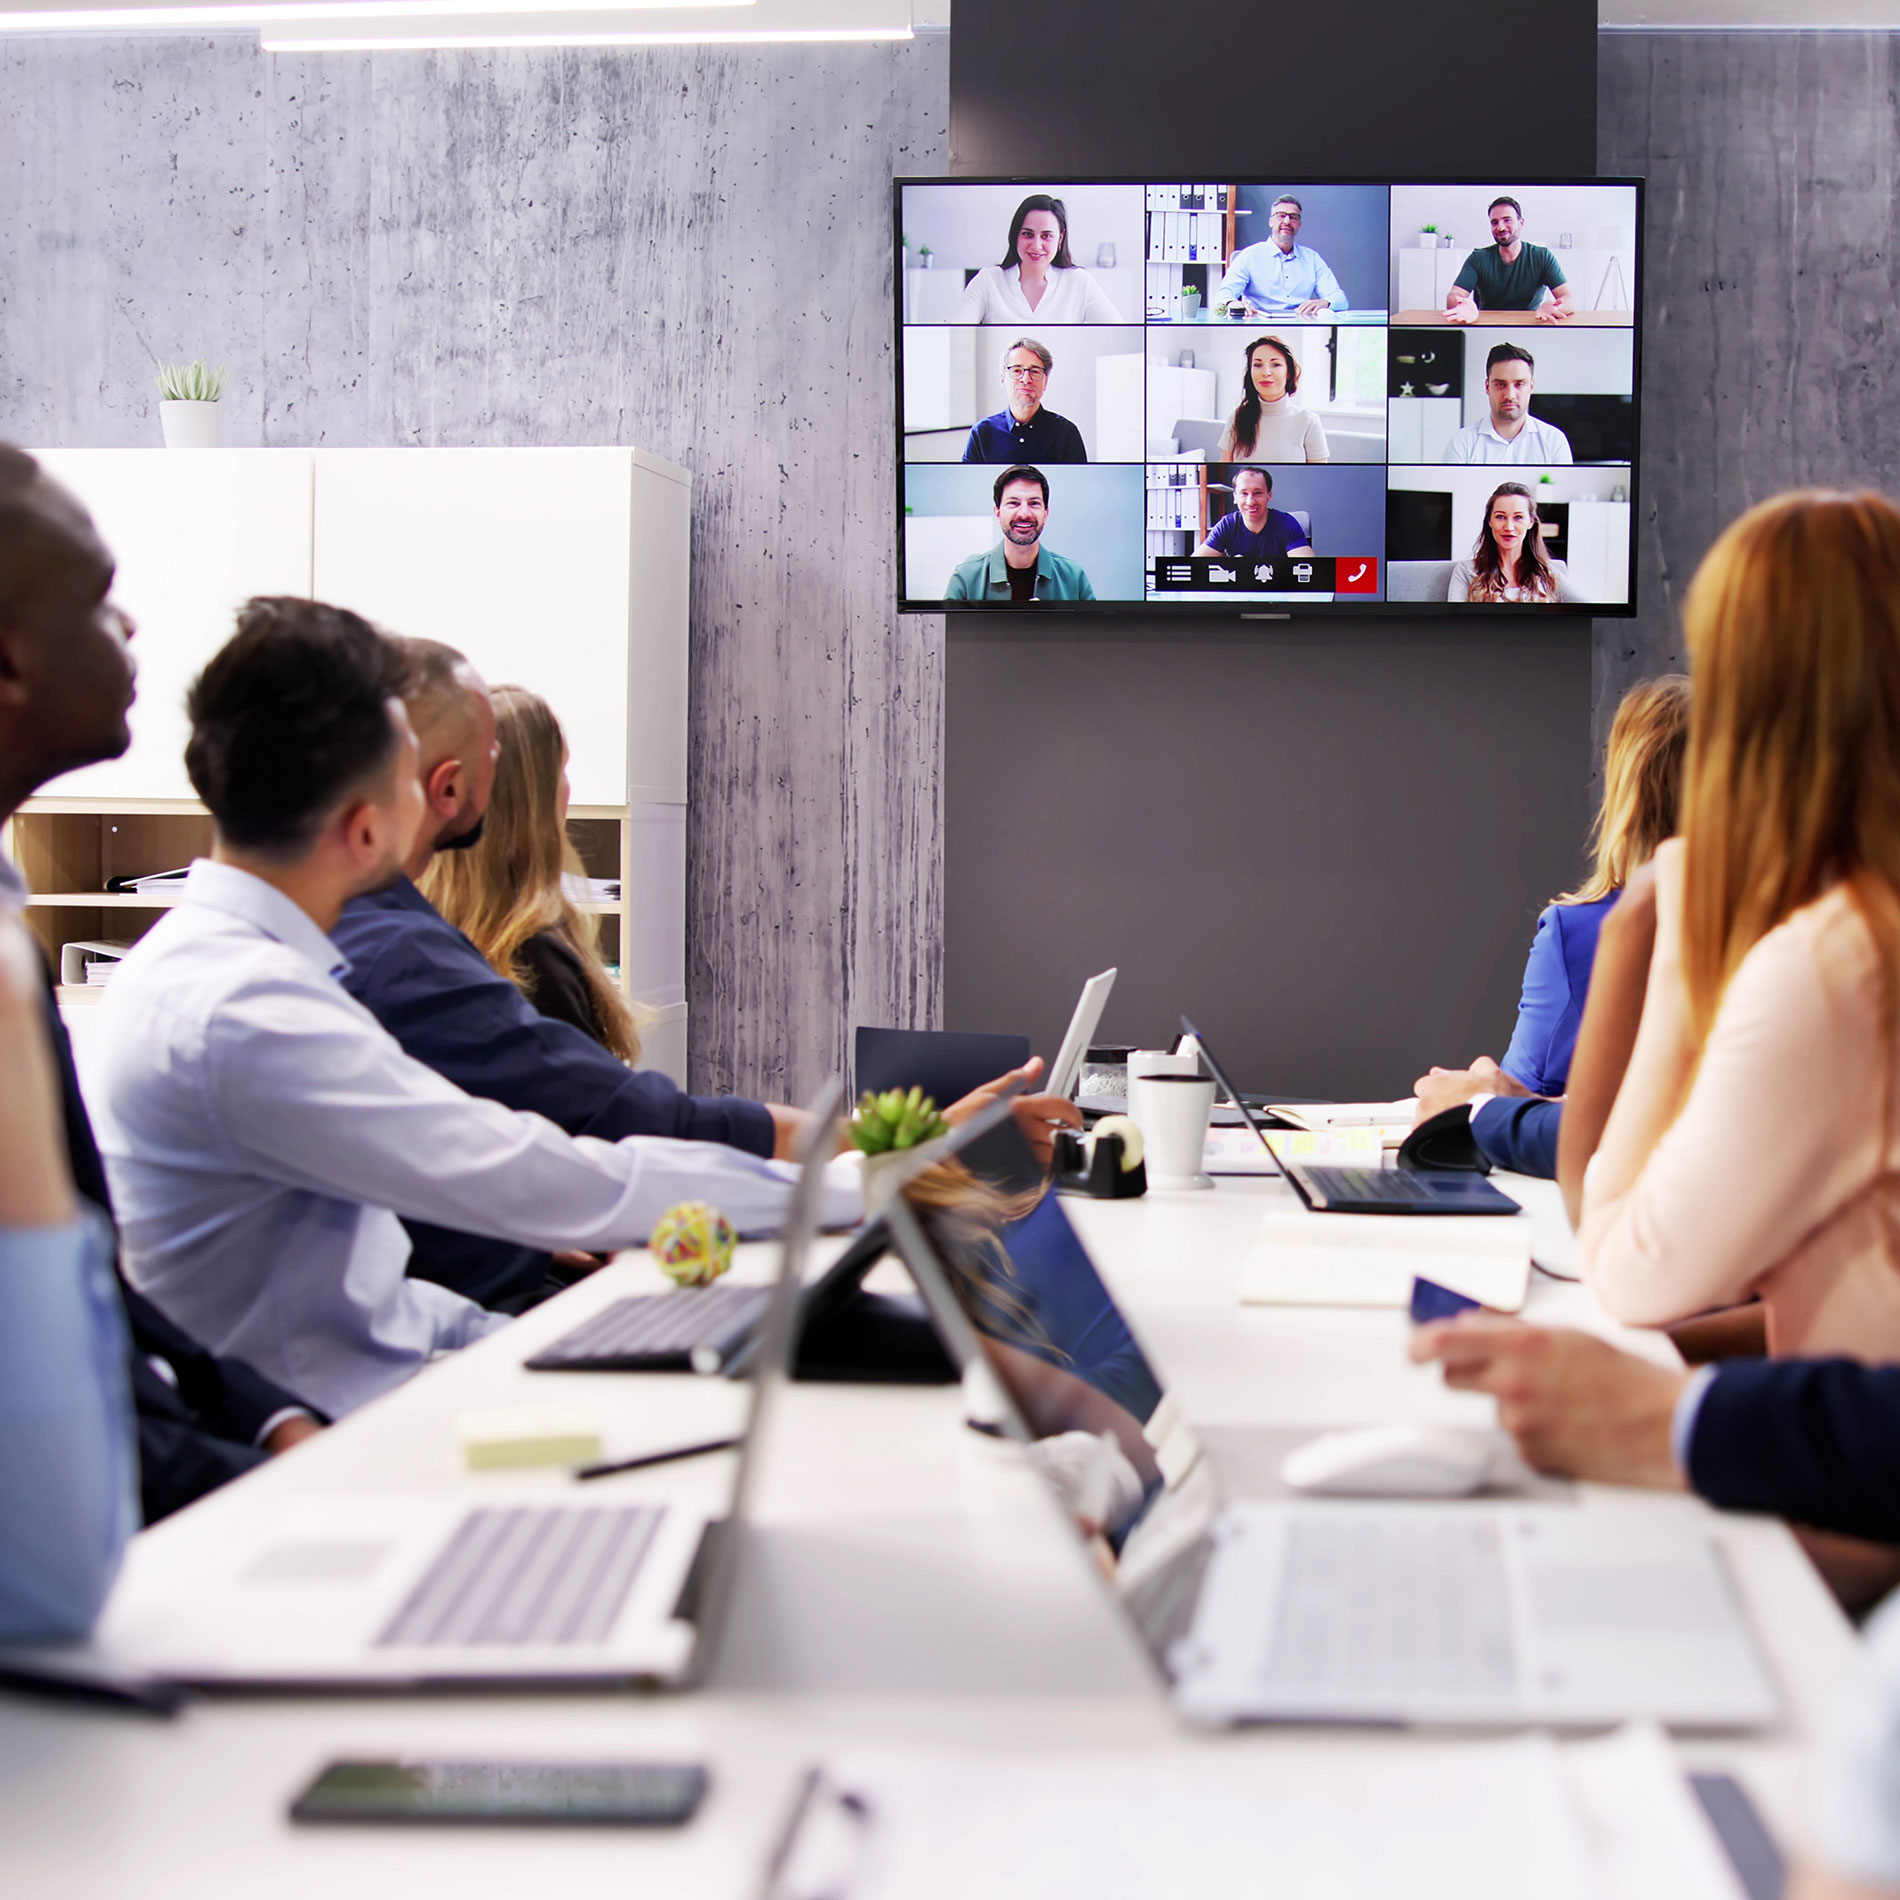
[{"x": 1026, "y": 1298}]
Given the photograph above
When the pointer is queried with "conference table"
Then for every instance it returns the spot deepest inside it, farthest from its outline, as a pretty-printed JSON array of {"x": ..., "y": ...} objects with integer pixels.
[{"x": 906, "y": 1582}]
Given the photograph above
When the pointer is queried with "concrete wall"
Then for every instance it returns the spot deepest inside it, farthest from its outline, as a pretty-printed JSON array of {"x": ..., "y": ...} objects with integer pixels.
[
  {"x": 687, "y": 250},
  {"x": 1773, "y": 251}
]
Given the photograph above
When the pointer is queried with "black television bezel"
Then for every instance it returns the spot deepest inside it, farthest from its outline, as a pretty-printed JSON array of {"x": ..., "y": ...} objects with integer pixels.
[{"x": 1278, "y": 610}]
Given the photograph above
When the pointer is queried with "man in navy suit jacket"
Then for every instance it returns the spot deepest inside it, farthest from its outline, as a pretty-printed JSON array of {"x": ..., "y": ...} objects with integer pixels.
[{"x": 1813, "y": 1440}]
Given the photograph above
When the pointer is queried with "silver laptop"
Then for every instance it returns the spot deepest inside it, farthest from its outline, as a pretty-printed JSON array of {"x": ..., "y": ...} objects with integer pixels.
[
  {"x": 1497, "y": 1611},
  {"x": 1067, "y": 1068},
  {"x": 537, "y": 1583}
]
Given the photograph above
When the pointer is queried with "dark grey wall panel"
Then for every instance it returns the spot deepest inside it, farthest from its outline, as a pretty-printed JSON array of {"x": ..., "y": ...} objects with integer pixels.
[
  {"x": 688, "y": 250},
  {"x": 1107, "y": 795},
  {"x": 1205, "y": 87},
  {"x": 1212, "y": 814},
  {"x": 1774, "y": 276}
]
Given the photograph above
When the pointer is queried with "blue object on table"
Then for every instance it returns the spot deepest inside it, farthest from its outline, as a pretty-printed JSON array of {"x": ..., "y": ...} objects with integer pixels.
[{"x": 1431, "y": 1301}]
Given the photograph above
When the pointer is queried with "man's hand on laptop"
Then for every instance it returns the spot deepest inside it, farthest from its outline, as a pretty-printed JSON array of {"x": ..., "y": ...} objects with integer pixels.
[
  {"x": 1575, "y": 1405},
  {"x": 1037, "y": 1116}
]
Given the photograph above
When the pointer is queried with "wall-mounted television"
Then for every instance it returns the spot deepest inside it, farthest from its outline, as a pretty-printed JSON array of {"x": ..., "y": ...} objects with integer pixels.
[{"x": 1263, "y": 396}]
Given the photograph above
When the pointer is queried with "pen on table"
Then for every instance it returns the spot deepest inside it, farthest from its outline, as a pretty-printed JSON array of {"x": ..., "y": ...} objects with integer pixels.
[{"x": 659, "y": 1457}]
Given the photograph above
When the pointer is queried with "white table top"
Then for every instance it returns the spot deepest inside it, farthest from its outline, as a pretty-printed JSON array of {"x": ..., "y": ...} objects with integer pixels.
[{"x": 907, "y": 1583}]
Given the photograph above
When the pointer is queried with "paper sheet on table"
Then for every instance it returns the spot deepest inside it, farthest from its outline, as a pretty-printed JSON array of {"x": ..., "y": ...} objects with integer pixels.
[
  {"x": 1392, "y": 1120},
  {"x": 1238, "y": 1151},
  {"x": 1305, "y": 1259},
  {"x": 1429, "y": 1820}
]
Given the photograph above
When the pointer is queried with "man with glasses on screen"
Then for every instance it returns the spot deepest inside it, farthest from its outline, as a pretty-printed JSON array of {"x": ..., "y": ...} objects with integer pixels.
[
  {"x": 1280, "y": 277},
  {"x": 1019, "y": 568},
  {"x": 1510, "y": 433},
  {"x": 1025, "y": 431},
  {"x": 1508, "y": 274}
]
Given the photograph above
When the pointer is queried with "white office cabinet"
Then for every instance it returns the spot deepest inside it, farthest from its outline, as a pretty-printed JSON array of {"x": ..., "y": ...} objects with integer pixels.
[
  {"x": 1175, "y": 393},
  {"x": 939, "y": 378},
  {"x": 196, "y": 533},
  {"x": 930, "y": 295},
  {"x": 564, "y": 570},
  {"x": 1599, "y": 552},
  {"x": 1121, "y": 430},
  {"x": 548, "y": 568},
  {"x": 1418, "y": 427}
]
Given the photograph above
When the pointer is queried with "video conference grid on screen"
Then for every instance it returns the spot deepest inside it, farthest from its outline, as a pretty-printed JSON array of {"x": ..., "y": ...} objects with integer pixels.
[{"x": 1267, "y": 393}]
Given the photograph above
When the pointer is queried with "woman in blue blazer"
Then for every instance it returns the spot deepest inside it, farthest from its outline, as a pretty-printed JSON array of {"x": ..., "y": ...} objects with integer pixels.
[{"x": 1516, "y": 1123}]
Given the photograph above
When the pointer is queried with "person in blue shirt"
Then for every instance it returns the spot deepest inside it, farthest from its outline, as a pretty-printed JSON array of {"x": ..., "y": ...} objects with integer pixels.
[
  {"x": 1023, "y": 430},
  {"x": 1516, "y": 1112},
  {"x": 1280, "y": 276},
  {"x": 1253, "y": 529},
  {"x": 69, "y": 1463}
]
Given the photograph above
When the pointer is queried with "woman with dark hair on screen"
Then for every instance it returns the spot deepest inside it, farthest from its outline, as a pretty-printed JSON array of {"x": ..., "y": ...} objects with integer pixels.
[
  {"x": 505, "y": 891},
  {"x": 1269, "y": 426},
  {"x": 1509, "y": 562},
  {"x": 1037, "y": 277}
]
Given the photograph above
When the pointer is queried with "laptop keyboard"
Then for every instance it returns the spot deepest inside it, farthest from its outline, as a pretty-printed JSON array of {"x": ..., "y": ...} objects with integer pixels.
[
  {"x": 659, "y": 1323},
  {"x": 1363, "y": 1184},
  {"x": 1399, "y": 1604},
  {"x": 511, "y": 1578}
]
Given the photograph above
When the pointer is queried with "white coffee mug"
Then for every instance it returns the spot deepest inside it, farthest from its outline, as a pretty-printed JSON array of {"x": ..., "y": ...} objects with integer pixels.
[
  {"x": 1161, "y": 1062},
  {"x": 1173, "y": 1112}
]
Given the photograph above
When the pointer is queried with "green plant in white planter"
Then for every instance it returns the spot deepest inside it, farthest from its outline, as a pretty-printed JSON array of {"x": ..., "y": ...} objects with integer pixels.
[
  {"x": 1191, "y": 301},
  {"x": 188, "y": 404}
]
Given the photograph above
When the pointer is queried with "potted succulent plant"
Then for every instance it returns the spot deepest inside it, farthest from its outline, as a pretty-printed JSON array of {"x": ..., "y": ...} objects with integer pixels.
[
  {"x": 924, "y": 255},
  {"x": 188, "y": 404},
  {"x": 886, "y": 1127},
  {"x": 1190, "y": 301},
  {"x": 1428, "y": 238}
]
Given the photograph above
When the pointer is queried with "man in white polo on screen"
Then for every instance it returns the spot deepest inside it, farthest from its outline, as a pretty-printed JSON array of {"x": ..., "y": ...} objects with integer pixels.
[{"x": 1510, "y": 433}]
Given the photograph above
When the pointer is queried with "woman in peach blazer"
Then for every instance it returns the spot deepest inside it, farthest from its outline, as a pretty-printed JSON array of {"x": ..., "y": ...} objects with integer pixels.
[{"x": 1753, "y": 1148}]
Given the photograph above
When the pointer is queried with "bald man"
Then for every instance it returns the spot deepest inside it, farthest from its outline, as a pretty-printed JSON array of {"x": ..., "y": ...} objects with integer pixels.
[
  {"x": 66, "y": 685},
  {"x": 428, "y": 985}
]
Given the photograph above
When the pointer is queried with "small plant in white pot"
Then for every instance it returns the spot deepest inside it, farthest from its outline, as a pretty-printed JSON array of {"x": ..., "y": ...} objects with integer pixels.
[{"x": 188, "y": 404}]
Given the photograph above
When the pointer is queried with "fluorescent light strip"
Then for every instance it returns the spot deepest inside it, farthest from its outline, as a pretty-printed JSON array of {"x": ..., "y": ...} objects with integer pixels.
[
  {"x": 475, "y": 42},
  {"x": 289, "y": 12}
]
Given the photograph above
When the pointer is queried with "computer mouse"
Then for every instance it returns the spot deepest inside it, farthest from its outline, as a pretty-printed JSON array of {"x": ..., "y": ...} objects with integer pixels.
[{"x": 1399, "y": 1461}]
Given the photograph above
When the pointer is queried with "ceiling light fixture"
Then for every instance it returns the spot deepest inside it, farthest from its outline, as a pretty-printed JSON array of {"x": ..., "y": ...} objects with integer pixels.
[
  {"x": 271, "y": 13},
  {"x": 681, "y": 36}
]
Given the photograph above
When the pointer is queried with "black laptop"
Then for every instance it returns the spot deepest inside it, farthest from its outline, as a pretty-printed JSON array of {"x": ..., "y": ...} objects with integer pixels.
[
  {"x": 1338, "y": 1190},
  {"x": 844, "y": 1332}
]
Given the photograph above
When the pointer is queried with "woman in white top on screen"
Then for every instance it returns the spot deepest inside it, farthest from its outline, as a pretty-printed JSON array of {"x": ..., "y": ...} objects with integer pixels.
[
  {"x": 1037, "y": 277},
  {"x": 1509, "y": 562},
  {"x": 1269, "y": 426}
]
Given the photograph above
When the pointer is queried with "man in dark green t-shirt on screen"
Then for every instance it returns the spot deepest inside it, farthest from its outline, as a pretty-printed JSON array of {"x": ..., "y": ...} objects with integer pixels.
[{"x": 1510, "y": 274}]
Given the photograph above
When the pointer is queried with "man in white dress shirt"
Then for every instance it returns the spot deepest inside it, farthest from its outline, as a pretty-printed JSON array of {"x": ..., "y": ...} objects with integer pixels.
[
  {"x": 262, "y": 1131},
  {"x": 1510, "y": 433}
]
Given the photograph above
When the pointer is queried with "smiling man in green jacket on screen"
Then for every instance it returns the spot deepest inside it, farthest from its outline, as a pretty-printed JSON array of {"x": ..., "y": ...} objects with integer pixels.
[{"x": 1019, "y": 567}]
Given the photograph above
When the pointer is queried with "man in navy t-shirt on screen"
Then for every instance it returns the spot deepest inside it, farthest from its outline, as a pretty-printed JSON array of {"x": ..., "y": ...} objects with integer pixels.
[{"x": 1256, "y": 530}]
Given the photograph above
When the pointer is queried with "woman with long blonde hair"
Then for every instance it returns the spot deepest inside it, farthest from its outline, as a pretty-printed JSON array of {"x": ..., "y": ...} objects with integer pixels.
[
  {"x": 1753, "y": 1149},
  {"x": 505, "y": 891},
  {"x": 1642, "y": 775}
]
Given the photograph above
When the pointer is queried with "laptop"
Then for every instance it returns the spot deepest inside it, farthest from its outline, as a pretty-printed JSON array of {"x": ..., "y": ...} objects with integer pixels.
[
  {"x": 534, "y": 1584},
  {"x": 1067, "y": 1069},
  {"x": 1348, "y": 1190},
  {"x": 710, "y": 1329},
  {"x": 1466, "y": 1612}
]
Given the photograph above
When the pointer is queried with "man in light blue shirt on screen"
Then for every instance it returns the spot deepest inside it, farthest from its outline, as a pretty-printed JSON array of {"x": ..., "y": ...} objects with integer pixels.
[{"x": 1281, "y": 277}]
